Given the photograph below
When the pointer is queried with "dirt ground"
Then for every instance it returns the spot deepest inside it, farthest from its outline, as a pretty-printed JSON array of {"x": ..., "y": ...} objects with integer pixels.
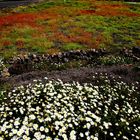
[{"x": 81, "y": 75}]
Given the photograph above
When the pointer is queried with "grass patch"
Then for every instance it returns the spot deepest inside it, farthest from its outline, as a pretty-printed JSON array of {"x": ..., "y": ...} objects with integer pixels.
[
  {"x": 50, "y": 4},
  {"x": 72, "y": 46},
  {"x": 41, "y": 45},
  {"x": 115, "y": 33},
  {"x": 39, "y": 6}
]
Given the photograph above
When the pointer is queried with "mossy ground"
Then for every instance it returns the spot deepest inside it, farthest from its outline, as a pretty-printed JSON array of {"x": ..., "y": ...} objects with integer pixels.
[{"x": 56, "y": 26}]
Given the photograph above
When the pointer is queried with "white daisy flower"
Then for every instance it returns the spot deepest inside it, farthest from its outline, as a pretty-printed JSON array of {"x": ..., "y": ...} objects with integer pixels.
[{"x": 32, "y": 117}]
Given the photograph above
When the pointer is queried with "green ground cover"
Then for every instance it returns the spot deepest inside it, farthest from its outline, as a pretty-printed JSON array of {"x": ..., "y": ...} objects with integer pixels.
[{"x": 55, "y": 26}]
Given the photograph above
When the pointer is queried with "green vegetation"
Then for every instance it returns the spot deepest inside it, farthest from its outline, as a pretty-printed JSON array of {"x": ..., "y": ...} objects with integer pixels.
[
  {"x": 115, "y": 34},
  {"x": 114, "y": 60},
  {"x": 72, "y": 46},
  {"x": 58, "y": 25}
]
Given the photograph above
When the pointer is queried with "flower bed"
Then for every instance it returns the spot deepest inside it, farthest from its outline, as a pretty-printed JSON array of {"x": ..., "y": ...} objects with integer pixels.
[{"x": 56, "y": 110}]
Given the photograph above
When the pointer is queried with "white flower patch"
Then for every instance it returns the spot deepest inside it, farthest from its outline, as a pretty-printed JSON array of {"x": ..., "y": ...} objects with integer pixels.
[
  {"x": 32, "y": 117},
  {"x": 54, "y": 110},
  {"x": 72, "y": 135}
]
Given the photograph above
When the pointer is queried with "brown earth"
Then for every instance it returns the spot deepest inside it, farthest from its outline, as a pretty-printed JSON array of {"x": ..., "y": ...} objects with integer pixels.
[{"x": 81, "y": 75}]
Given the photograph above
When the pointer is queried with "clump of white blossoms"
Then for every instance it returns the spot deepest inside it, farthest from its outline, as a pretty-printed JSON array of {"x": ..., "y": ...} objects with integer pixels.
[
  {"x": 1, "y": 65},
  {"x": 70, "y": 111}
]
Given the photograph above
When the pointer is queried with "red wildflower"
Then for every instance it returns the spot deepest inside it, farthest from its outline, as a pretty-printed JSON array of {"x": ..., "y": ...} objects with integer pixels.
[{"x": 7, "y": 43}]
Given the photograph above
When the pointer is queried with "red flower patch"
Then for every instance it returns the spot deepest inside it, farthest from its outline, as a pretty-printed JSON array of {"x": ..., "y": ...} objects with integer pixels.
[
  {"x": 110, "y": 10},
  {"x": 19, "y": 43},
  {"x": 18, "y": 19},
  {"x": 7, "y": 43},
  {"x": 87, "y": 11}
]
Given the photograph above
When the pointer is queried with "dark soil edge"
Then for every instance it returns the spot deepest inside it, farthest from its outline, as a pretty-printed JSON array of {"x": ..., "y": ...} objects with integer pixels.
[{"x": 81, "y": 75}]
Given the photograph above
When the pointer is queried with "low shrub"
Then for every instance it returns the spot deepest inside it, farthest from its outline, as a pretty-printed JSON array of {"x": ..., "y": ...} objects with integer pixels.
[
  {"x": 2, "y": 66},
  {"x": 111, "y": 60}
]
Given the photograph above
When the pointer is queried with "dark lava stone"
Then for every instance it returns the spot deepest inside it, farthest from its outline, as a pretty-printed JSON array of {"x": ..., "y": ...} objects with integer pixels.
[{"x": 136, "y": 50}]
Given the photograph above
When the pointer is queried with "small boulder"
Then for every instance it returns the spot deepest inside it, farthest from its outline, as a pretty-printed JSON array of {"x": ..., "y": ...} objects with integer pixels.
[
  {"x": 5, "y": 73},
  {"x": 136, "y": 50}
]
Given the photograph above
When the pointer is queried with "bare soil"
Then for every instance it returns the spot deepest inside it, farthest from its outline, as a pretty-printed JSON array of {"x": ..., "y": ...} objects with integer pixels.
[{"x": 81, "y": 75}]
